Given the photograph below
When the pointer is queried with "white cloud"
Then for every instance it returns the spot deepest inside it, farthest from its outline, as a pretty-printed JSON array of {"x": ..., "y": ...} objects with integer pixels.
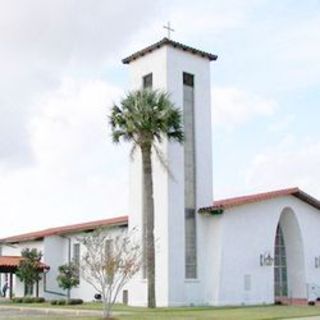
[
  {"x": 195, "y": 22},
  {"x": 234, "y": 107},
  {"x": 282, "y": 125},
  {"x": 42, "y": 42},
  {"x": 74, "y": 119},
  {"x": 77, "y": 174},
  {"x": 279, "y": 47},
  {"x": 288, "y": 164}
]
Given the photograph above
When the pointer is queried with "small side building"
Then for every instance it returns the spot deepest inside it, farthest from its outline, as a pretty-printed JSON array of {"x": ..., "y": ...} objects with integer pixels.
[{"x": 59, "y": 246}]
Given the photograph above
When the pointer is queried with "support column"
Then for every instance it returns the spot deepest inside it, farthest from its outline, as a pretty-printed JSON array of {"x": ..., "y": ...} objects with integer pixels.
[
  {"x": 10, "y": 285},
  {"x": 37, "y": 289}
]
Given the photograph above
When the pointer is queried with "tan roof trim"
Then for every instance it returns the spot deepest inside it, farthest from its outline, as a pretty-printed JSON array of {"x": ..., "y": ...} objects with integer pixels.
[{"x": 220, "y": 205}]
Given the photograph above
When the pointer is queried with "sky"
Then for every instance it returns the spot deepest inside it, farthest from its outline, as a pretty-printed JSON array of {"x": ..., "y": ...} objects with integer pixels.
[{"x": 61, "y": 71}]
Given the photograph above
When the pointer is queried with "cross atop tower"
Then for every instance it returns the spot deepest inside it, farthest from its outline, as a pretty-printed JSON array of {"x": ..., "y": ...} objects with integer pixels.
[{"x": 169, "y": 29}]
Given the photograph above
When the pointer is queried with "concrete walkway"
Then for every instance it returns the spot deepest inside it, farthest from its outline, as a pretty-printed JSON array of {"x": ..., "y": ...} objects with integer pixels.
[
  {"x": 307, "y": 318},
  {"x": 50, "y": 311}
]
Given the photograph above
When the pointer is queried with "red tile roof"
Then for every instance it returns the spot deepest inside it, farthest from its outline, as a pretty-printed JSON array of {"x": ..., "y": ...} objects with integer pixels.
[
  {"x": 38, "y": 235},
  {"x": 12, "y": 262},
  {"x": 220, "y": 205},
  {"x": 174, "y": 44}
]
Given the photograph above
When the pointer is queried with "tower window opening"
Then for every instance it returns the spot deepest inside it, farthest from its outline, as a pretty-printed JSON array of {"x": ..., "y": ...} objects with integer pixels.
[{"x": 147, "y": 81}]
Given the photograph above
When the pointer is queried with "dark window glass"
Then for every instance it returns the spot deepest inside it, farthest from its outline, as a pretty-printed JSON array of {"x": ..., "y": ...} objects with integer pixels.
[
  {"x": 147, "y": 81},
  {"x": 108, "y": 248},
  {"x": 280, "y": 266},
  {"x": 76, "y": 257},
  {"x": 28, "y": 289},
  {"x": 188, "y": 79},
  {"x": 125, "y": 297},
  {"x": 189, "y": 178}
]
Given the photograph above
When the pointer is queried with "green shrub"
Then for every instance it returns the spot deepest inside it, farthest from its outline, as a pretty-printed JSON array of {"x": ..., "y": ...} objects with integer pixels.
[
  {"x": 28, "y": 300},
  {"x": 39, "y": 300},
  {"x": 61, "y": 302},
  {"x": 75, "y": 301},
  {"x": 54, "y": 302}
]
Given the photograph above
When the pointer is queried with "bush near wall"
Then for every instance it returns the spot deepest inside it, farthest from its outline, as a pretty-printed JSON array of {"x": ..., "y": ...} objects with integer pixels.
[
  {"x": 28, "y": 300},
  {"x": 62, "y": 302},
  {"x": 75, "y": 301}
]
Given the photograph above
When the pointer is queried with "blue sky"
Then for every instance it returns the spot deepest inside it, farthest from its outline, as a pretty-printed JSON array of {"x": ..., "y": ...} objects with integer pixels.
[{"x": 61, "y": 69}]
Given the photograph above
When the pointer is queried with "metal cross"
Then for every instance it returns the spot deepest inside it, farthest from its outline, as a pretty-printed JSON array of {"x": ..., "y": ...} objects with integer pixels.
[{"x": 169, "y": 29}]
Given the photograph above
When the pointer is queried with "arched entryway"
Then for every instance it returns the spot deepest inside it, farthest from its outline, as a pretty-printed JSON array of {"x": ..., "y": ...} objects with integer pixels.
[{"x": 289, "y": 267}]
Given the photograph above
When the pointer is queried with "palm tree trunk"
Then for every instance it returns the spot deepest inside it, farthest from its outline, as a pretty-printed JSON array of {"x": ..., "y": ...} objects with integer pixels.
[{"x": 148, "y": 214}]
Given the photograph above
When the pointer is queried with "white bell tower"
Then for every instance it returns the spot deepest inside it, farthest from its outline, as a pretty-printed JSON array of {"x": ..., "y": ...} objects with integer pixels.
[{"x": 180, "y": 233}]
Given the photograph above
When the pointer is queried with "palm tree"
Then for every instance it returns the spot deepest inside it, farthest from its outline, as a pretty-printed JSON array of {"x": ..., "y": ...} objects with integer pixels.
[{"x": 143, "y": 118}]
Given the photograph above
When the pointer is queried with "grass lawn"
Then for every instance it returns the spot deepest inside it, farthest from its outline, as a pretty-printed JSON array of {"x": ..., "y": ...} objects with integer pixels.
[
  {"x": 239, "y": 313},
  {"x": 249, "y": 313}
]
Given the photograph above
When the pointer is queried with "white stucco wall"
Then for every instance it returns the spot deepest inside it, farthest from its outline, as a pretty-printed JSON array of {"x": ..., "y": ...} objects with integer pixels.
[
  {"x": 248, "y": 231},
  {"x": 57, "y": 250},
  {"x": 55, "y": 254},
  {"x": 231, "y": 248}
]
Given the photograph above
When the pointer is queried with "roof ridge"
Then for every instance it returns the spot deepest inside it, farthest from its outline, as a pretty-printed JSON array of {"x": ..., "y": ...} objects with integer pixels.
[
  {"x": 64, "y": 229},
  {"x": 287, "y": 190},
  {"x": 219, "y": 205},
  {"x": 175, "y": 44}
]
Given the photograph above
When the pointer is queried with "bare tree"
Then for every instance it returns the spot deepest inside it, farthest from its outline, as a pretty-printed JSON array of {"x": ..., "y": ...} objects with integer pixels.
[{"x": 110, "y": 260}]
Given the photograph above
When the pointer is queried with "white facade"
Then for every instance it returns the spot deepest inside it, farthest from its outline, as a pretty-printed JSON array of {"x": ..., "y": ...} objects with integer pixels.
[
  {"x": 228, "y": 245},
  {"x": 56, "y": 250},
  {"x": 231, "y": 240},
  {"x": 248, "y": 231}
]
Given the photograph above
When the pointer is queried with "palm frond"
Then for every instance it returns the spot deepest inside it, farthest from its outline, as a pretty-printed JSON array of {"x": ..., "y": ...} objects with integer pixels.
[{"x": 145, "y": 116}]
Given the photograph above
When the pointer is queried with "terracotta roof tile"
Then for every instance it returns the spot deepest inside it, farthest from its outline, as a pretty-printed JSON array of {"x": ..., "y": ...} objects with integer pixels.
[
  {"x": 220, "y": 205},
  {"x": 66, "y": 229},
  {"x": 12, "y": 262},
  {"x": 174, "y": 44}
]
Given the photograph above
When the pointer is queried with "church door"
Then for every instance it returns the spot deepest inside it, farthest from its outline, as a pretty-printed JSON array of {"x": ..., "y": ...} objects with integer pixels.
[{"x": 280, "y": 266}]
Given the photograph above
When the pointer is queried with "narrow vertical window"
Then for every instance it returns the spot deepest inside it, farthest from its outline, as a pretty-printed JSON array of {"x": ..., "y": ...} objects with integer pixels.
[
  {"x": 125, "y": 297},
  {"x": 247, "y": 282},
  {"x": 147, "y": 81},
  {"x": 109, "y": 259},
  {"x": 28, "y": 289},
  {"x": 76, "y": 257},
  {"x": 108, "y": 248},
  {"x": 280, "y": 266},
  {"x": 189, "y": 177}
]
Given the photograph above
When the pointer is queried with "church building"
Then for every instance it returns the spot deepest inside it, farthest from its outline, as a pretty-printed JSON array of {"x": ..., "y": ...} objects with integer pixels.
[{"x": 254, "y": 249}]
